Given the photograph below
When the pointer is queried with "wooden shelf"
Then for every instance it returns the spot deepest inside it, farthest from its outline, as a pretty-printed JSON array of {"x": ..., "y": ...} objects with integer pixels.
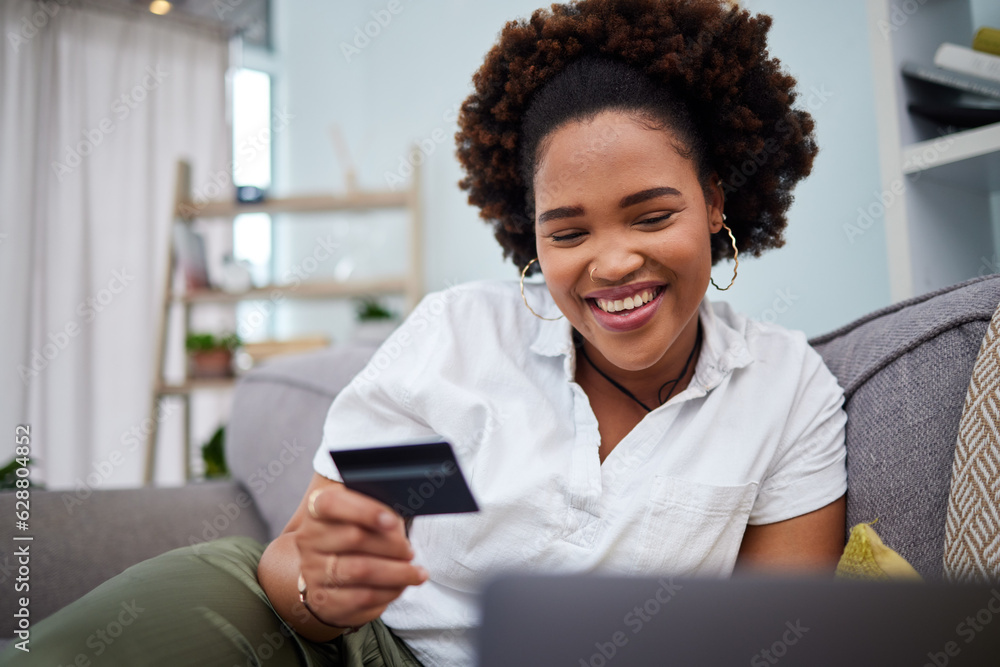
[
  {"x": 309, "y": 290},
  {"x": 195, "y": 384},
  {"x": 186, "y": 210},
  {"x": 352, "y": 201}
]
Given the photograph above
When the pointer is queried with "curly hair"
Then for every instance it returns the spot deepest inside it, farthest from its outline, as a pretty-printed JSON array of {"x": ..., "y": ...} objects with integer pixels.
[{"x": 716, "y": 87}]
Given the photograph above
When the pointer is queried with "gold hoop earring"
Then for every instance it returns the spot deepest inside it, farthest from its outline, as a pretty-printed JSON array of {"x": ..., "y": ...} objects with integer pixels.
[
  {"x": 736, "y": 257},
  {"x": 523, "y": 274},
  {"x": 592, "y": 275}
]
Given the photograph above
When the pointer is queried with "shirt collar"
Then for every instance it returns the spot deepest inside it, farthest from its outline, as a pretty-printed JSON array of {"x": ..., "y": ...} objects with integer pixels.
[{"x": 724, "y": 343}]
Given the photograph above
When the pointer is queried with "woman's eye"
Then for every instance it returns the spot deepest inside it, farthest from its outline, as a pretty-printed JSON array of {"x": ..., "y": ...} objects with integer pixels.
[
  {"x": 566, "y": 237},
  {"x": 653, "y": 221}
]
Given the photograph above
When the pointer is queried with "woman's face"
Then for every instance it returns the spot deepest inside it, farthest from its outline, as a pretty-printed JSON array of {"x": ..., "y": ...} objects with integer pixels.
[{"x": 616, "y": 198}]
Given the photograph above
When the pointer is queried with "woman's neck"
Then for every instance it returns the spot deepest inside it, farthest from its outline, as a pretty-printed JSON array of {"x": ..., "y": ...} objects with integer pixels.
[{"x": 649, "y": 387}]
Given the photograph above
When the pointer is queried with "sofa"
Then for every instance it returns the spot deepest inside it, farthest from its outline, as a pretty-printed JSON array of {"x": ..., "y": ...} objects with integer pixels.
[{"x": 905, "y": 371}]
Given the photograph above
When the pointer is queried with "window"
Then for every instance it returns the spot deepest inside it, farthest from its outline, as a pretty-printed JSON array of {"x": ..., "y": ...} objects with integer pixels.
[{"x": 252, "y": 240}]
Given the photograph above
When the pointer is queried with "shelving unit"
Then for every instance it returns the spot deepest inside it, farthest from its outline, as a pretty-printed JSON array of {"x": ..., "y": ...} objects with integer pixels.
[
  {"x": 941, "y": 229},
  {"x": 409, "y": 284}
]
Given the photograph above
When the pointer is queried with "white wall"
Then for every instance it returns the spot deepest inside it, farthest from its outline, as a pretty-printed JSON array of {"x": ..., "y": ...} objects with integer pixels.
[{"x": 400, "y": 87}]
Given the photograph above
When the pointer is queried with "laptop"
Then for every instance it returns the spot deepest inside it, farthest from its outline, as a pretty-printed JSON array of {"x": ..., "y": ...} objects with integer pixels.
[{"x": 603, "y": 621}]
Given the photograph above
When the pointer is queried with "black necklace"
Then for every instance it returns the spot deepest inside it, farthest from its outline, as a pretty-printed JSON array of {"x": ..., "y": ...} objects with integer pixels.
[{"x": 672, "y": 383}]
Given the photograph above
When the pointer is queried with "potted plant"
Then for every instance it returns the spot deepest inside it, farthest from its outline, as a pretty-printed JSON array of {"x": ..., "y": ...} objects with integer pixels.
[
  {"x": 210, "y": 356},
  {"x": 213, "y": 453},
  {"x": 375, "y": 321}
]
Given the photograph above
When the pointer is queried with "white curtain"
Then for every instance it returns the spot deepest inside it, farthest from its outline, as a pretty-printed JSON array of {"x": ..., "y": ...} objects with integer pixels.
[{"x": 95, "y": 110}]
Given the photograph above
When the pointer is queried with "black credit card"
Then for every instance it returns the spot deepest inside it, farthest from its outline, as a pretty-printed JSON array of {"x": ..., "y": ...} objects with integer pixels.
[{"x": 413, "y": 479}]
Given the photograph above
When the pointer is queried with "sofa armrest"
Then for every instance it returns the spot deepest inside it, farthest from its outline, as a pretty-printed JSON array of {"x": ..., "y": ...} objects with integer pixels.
[
  {"x": 80, "y": 542},
  {"x": 276, "y": 424}
]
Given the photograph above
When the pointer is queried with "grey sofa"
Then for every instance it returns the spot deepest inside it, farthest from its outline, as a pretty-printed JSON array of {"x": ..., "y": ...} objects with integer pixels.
[{"x": 905, "y": 370}]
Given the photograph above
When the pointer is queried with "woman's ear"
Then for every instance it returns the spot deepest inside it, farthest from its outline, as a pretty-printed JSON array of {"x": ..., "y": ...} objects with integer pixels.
[{"x": 716, "y": 203}]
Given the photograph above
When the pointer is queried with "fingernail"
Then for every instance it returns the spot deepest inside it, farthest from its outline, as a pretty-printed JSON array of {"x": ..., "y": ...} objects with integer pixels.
[
  {"x": 423, "y": 573},
  {"x": 386, "y": 520}
]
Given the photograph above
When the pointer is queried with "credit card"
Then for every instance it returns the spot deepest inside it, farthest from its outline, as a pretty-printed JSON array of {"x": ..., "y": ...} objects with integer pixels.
[{"x": 413, "y": 479}]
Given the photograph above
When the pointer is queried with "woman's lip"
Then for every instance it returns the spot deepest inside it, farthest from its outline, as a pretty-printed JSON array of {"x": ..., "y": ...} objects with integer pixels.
[
  {"x": 630, "y": 319},
  {"x": 615, "y": 293}
]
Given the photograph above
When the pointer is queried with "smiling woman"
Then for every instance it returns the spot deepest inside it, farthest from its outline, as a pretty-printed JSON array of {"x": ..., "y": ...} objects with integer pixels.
[{"x": 611, "y": 419}]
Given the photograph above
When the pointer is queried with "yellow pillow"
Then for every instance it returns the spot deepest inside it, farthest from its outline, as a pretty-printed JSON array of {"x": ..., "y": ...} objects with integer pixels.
[{"x": 866, "y": 557}]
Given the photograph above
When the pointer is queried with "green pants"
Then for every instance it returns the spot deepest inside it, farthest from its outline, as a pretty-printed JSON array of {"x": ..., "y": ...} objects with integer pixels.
[{"x": 194, "y": 606}]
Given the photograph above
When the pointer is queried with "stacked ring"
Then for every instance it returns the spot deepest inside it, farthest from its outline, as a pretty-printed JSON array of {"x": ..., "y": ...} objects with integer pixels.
[
  {"x": 311, "y": 504},
  {"x": 302, "y": 598}
]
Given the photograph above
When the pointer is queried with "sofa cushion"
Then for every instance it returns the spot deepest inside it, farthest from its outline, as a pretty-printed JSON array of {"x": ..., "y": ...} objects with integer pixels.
[
  {"x": 905, "y": 371},
  {"x": 84, "y": 540},
  {"x": 276, "y": 424}
]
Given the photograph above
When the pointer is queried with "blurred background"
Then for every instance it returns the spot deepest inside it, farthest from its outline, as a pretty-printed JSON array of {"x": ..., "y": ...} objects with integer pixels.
[{"x": 189, "y": 188}]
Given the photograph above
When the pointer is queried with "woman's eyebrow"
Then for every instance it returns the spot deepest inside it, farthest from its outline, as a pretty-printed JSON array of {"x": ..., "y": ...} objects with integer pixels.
[
  {"x": 560, "y": 212},
  {"x": 639, "y": 197}
]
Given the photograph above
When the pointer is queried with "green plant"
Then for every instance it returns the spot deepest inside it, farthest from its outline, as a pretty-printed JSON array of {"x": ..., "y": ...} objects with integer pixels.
[
  {"x": 8, "y": 475},
  {"x": 369, "y": 309},
  {"x": 203, "y": 342},
  {"x": 213, "y": 453}
]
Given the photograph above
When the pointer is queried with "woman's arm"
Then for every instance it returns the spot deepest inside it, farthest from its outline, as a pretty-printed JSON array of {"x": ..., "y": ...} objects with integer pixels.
[
  {"x": 354, "y": 558},
  {"x": 812, "y": 542}
]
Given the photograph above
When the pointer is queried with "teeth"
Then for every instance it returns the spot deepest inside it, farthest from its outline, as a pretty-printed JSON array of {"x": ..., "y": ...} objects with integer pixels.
[{"x": 629, "y": 303}]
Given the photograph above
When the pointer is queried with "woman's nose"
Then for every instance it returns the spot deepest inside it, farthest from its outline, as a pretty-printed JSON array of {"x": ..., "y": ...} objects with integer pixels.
[{"x": 615, "y": 263}]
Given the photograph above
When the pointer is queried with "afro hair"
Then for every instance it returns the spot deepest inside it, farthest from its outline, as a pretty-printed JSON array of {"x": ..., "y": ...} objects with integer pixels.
[{"x": 736, "y": 108}]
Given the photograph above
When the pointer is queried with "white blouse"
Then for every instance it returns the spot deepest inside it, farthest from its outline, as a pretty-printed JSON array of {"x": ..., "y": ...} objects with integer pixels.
[{"x": 756, "y": 437}]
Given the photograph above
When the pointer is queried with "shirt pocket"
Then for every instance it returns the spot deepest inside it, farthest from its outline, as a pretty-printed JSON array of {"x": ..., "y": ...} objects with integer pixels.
[{"x": 691, "y": 528}]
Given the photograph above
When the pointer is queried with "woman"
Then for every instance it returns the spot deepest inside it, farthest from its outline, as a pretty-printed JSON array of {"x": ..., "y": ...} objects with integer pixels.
[
  {"x": 610, "y": 419},
  {"x": 597, "y": 152}
]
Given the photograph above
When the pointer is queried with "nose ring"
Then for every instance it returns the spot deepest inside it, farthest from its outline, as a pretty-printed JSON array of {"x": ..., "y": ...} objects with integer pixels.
[{"x": 592, "y": 274}]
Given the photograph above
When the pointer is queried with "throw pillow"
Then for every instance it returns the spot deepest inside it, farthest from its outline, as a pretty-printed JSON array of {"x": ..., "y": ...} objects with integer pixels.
[
  {"x": 866, "y": 557},
  {"x": 972, "y": 528}
]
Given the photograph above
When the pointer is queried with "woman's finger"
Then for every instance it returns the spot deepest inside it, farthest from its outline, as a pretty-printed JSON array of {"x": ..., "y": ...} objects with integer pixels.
[
  {"x": 340, "y": 571},
  {"x": 338, "y": 503},
  {"x": 326, "y": 538},
  {"x": 349, "y": 606}
]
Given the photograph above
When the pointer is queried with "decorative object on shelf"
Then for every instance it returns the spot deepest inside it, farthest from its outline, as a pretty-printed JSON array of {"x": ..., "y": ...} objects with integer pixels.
[
  {"x": 949, "y": 79},
  {"x": 375, "y": 321},
  {"x": 235, "y": 276},
  {"x": 987, "y": 40},
  {"x": 250, "y": 194},
  {"x": 964, "y": 60},
  {"x": 213, "y": 453},
  {"x": 189, "y": 247},
  {"x": 210, "y": 356}
]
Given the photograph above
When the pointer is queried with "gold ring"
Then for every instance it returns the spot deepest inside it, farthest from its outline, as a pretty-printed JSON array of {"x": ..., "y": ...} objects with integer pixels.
[
  {"x": 331, "y": 575},
  {"x": 592, "y": 275},
  {"x": 311, "y": 505},
  {"x": 302, "y": 598}
]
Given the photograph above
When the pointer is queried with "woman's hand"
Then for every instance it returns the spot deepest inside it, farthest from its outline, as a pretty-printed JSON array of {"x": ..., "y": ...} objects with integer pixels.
[{"x": 354, "y": 556}]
